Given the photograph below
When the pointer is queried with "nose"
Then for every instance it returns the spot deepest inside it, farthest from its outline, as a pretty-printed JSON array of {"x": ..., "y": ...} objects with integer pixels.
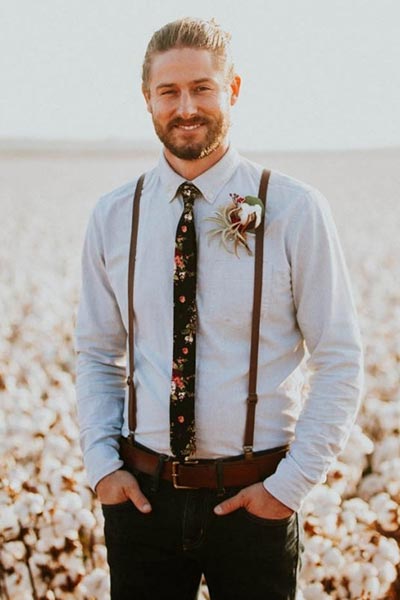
[{"x": 186, "y": 107}]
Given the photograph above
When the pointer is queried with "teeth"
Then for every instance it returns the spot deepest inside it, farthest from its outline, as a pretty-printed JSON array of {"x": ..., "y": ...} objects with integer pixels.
[{"x": 189, "y": 126}]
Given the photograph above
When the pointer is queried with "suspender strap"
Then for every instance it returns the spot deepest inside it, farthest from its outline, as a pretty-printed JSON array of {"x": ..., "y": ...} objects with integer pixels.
[
  {"x": 131, "y": 282},
  {"x": 255, "y": 327}
]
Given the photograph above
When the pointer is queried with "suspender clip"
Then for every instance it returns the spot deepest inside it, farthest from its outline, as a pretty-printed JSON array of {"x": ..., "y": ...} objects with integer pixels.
[
  {"x": 252, "y": 398},
  {"x": 248, "y": 452}
]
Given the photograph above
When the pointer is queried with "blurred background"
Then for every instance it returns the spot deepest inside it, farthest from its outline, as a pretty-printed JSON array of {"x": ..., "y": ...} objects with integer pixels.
[
  {"x": 316, "y": 75},
  {"x": 320, "y": 101}
]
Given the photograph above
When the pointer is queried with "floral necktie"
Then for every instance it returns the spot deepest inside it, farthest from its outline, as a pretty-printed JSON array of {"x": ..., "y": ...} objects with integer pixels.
[{"x": 182, "y": 426}]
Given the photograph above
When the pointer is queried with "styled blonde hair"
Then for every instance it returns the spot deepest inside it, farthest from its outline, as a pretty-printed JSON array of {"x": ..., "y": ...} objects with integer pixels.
[{"x": 190, "y": 32}]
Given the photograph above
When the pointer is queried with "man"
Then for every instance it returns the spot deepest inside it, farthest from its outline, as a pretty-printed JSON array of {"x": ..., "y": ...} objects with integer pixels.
[{"x": 192, "y": 344}]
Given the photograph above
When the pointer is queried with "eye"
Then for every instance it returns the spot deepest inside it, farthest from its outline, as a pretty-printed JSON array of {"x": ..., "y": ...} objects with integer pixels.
[
  {"x": 167, "y": 93},
  {"x": 202, "y": 88}
]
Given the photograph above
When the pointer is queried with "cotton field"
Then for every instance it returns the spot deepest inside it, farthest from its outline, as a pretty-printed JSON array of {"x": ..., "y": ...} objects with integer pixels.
[{"x": 51, "y": 537}]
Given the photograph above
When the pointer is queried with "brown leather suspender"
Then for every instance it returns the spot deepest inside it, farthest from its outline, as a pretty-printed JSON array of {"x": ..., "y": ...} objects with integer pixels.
[
  {"x": 131, "y": 282},
  {"x": 255, "y": 329}
]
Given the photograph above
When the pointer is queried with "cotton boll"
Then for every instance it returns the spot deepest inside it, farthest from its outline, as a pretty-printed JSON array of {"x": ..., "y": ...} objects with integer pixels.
[
  {"x": 16, "y": 550},
  {"x": 357, "y": 447},
  {"x": 315, "y": 591},
  {"x": 386, "y": 450},
  {"x": 100, "y": 556},
  {"x": 72, "y": 563},
  {"x": 70, "y": 501},
  {"x": 356, "y": 589},
  {"x": 353, "y": 572},
  {"x": 57, "y": 445},
  {"x": 389, "y": 550},
  {"x": 50, "y": 465},
  {"x": 372, "y": 587},
  {"x": 9, "y": 526},
  {"x": 318, "y": 545},
  {"x": 43, "y": 544},
  {"x": 369, "y": 570},
  {"x": 45, "y": 418},
  {"x": 349, "y": 520},
  {"x": 371, "y": 485},
  {"x": 85, "y": 518},
  {"x": 360, "y": 509},
  {"x": 322, "y": 502},
  {"x": 63, "y": 523},
  {"x": 333, "y": 558},
  {"x": 95, "y": 584},
  {"x": 28, "y": 506},
  {"x": 386, "y": 510},
  {"x": 387, "y": 572},
  {"x": 30, "y": 538}
]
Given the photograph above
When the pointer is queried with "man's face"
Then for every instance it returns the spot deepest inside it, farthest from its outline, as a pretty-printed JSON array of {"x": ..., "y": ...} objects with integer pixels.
[{"x": 189, "y": 100}]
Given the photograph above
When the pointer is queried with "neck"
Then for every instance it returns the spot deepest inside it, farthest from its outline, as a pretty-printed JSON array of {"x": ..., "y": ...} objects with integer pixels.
[{"x": 190, "y": 169}]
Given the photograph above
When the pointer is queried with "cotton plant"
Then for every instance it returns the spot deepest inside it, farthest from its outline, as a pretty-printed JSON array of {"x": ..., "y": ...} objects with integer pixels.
[{"x": 51, "y": 525}]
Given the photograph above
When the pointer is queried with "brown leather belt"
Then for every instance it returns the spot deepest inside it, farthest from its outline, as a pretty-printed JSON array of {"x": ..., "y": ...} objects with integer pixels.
[{"x": 203, "y": 473}]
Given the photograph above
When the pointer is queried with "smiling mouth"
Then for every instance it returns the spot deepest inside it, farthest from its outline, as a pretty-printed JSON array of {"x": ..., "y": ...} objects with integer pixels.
[{"x": 188, "y": 125}]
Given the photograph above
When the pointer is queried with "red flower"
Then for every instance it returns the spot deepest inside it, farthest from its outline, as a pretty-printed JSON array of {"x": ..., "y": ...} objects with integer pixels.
[
  {"x": 181, "y": 419},
  {"x": 178, "y": 261},
  {"x": 184, "y": 228},
  {"x": 185, "y": 350},
  {"x": 182, "y": 299},
  {"x": 178, "y": 381}
]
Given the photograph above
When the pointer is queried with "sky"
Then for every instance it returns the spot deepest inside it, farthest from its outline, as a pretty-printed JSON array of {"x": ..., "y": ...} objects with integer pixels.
[{"x": 316, "y": 74}]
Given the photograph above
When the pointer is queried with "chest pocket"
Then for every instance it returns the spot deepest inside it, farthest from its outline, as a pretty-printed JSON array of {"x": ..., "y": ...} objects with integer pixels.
[{"x": 227, "y": 293}]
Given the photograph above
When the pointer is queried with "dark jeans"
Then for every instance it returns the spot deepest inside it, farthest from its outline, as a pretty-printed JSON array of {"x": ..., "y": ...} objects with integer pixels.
[{"x": 162, "y": 555}]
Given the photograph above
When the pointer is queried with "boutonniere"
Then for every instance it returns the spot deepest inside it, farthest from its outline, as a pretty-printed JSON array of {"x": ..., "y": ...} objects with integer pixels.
[{"x": 237, "y": 219}]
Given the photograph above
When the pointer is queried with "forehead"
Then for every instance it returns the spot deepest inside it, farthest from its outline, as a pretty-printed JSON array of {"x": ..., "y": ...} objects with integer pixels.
[{"x": 181, "y": 65}]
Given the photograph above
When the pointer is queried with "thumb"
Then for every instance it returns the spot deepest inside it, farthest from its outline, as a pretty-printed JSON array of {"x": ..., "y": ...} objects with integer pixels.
[
  {"x": 134, "y": 493},
  {"x": 229, "y": 505}
]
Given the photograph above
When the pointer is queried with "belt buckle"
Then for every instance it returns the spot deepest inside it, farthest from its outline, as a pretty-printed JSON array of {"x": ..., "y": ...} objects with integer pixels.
[{"x": 175, "y": 475}]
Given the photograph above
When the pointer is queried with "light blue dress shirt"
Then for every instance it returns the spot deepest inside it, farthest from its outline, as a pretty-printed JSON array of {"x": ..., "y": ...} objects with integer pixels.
[{"x": 307, "y": 310}]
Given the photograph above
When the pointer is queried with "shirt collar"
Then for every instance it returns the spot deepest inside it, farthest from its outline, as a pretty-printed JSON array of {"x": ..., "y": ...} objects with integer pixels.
[{"x": 209, "y": 183}]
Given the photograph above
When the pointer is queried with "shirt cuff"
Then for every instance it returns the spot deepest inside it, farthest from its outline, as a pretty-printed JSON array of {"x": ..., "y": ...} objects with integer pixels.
[
  {"x": 289, "y": 485},
  {"x": 99, "y": 462}
]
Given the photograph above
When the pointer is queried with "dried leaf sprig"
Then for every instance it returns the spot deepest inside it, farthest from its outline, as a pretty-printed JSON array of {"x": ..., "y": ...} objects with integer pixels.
[{"x": 237, "y": 219}]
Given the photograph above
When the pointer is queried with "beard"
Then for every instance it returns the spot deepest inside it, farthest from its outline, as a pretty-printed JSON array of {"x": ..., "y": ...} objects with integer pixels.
[{"x": 216, "y": 130}]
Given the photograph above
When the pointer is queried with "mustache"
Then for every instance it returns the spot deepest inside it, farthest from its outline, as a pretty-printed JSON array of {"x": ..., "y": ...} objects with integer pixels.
[{"x": 194, "y": 121}]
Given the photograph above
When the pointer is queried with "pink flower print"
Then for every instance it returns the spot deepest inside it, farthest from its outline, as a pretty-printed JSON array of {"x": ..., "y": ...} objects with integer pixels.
[
  {"x": 181, "y": 419},
  {"x": 185, "y": 350},
  {"x": 184, "y": 228},
  {"x": 177, "y": 379},
  {"x": 182, "y": 299},
  {"x": 179, "y": 262}
]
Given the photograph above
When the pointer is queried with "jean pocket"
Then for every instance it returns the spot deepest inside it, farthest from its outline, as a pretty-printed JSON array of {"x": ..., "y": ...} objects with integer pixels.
[
  {"x": 117, "y": 506},
  {"x": 285, "y": 522}
]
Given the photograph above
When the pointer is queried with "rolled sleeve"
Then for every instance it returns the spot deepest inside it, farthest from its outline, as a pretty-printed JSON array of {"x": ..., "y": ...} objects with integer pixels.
[
  {"x": 100, "y": 343},
  {"x": 327, "y": 318}
]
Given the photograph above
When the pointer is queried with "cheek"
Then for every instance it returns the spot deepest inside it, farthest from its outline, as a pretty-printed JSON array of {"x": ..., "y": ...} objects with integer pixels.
[{"x": 162, "y": 110}]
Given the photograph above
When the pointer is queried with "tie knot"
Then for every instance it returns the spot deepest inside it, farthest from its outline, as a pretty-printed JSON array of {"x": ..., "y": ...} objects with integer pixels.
[{"x": 189, "y": 192}]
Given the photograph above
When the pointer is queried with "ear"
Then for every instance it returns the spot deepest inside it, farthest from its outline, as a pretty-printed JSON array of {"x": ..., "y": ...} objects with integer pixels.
[
  {"x": 146, "y": 95},
  {"x": 235, "y": 89}
]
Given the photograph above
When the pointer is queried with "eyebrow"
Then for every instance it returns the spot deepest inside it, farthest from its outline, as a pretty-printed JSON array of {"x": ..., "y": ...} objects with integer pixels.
[{"x": 195, "y": 81}]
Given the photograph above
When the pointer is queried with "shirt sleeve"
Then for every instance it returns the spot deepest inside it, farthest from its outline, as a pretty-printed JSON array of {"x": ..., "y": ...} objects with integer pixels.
[
  {"x": 100, "y": 343},
  {"x": 327, "y": 318}
]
